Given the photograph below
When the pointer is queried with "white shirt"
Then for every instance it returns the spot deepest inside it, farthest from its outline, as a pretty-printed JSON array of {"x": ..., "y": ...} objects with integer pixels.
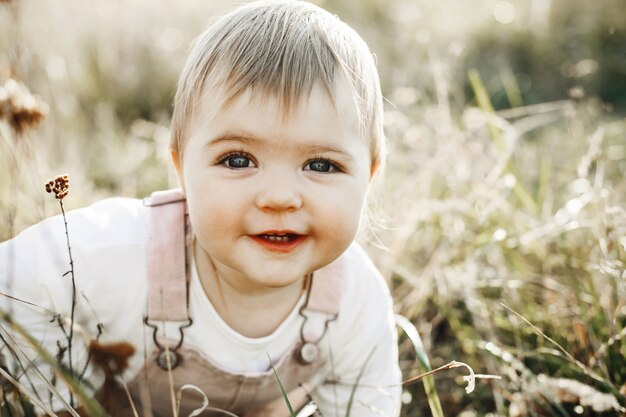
[{"x": 108, "y": 241}]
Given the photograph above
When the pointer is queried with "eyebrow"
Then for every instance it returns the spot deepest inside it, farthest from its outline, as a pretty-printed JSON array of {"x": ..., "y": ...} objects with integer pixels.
[
  {"x": 228, "y": 137},
  {"x": 252, "y": 140}
]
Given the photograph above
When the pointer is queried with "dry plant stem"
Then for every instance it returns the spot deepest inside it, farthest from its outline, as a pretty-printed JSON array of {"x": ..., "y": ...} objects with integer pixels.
[
  {"x": 219, "y": 410},
  {"x": 100, "y": 328},
  {"x": 170, "y": 376},
  {"x": 170, "y": 380},
  {"x": 30, "y": 395},
  {"x": 89, "y": 356},
  {"x": 20, "y": 364},
  {"x": 130, "y": 398},
  {"x": 144, "y": 393},
  {"x": 14, "y": 347},
  {"x": 71, "y": 272},
  {"x": 568, "y": 355},
  {"x": 471, "y": 378},
  {"x": 29, "y": 303},
  {"x": 93, "y": 408},
  {"x": 205, "y": 399},
  {"x": 416, "y": 378}
]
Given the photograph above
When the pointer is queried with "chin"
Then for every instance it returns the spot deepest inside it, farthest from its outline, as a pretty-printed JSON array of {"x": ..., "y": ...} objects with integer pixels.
[{"x": 277, "y": 280}]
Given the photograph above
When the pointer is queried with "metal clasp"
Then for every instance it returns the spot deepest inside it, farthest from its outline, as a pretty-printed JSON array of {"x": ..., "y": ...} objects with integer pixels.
[
  {"x": 308, "y": 351},
  {"x": 168, "y": 358}
]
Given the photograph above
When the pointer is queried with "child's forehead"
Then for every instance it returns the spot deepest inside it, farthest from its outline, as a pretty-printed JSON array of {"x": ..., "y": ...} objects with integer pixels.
[{"x": 216, "y": 101}]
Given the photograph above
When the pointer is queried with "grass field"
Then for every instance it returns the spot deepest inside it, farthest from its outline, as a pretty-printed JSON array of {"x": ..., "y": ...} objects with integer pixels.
[{"x": 501, "y": 219}]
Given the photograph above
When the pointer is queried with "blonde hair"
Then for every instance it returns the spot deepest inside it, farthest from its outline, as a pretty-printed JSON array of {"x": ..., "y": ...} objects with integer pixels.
[{"x": 280, "y": 48}]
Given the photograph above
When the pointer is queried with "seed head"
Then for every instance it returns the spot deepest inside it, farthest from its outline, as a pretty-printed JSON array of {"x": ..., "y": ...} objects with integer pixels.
[
  {"x": 112, "y": 358},
  {"x": 19, "y": 107},
  {"x": 59, "y": 186}
]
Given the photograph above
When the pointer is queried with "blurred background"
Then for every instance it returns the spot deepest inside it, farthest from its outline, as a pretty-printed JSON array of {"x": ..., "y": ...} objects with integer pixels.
[{"x": 501, "y": 217}]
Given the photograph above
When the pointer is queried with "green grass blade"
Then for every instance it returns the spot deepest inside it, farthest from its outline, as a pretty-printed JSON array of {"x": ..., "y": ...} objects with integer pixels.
[
  {"x": 282, "y": 390},
  {"x": 93, "y": 408},
  {"x": 429, "y": 381},
  {"x": 511, "y": 88},
  {"x": 356, "y": 382},
  {"x": 484, "y": 103}
]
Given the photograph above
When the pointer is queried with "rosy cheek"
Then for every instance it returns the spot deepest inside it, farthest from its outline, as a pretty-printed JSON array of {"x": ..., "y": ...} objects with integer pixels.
[{"x": 341, "y": 218}]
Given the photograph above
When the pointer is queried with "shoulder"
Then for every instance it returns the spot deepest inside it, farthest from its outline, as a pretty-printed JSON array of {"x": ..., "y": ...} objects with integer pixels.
[
  {"x": 366, "y": 306},
  {"x": 363, "y": 283},
  {"x": 363, "y": 342},
  {"x": 101, "y": 236},
  {"x": 109, "y": 221},
  {"x": 114, "y": 220}
]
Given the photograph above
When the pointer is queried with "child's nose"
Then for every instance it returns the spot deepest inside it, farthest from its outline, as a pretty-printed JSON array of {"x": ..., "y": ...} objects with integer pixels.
[{"x": 279, "y": 191}]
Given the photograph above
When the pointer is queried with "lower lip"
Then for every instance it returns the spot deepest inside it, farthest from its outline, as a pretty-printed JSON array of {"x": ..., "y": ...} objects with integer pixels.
[{"x": 278, "y": 246}]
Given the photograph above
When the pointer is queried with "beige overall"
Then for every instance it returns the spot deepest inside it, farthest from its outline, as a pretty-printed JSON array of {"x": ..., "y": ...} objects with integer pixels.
[{"x": 168, "y": 276}]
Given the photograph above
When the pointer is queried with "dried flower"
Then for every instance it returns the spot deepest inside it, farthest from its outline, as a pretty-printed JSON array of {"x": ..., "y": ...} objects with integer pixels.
[
  {"x": 60, "y": 186},
  {"x": 20, "y": 107},
  {"x": 112, "y": 358}
]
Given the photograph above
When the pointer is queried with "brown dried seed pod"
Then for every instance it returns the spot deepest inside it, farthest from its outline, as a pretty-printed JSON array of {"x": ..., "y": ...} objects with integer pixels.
[
  {"x": 112, "y": 358},
  {"x": 60, "y": 186},
  {"x": 20, "y": 107}
]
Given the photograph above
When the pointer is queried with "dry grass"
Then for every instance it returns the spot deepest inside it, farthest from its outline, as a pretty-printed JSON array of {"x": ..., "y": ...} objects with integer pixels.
[{"x": 519, "y": 206}]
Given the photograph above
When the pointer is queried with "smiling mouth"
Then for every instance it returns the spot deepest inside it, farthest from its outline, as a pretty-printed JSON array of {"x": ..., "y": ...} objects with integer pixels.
[
  {"x": 279, "y": 241},
  {"x": 276, "y": 237}
]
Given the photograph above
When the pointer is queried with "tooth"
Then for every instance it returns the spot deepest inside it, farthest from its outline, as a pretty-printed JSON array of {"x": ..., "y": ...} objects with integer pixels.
[{"x": 278, "y": 237}]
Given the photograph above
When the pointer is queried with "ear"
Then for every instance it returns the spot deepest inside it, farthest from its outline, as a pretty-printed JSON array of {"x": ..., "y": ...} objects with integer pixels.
[{"x": 178, "y": 168}]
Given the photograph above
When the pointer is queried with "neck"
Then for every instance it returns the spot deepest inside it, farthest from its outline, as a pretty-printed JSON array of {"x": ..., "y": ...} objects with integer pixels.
[{"x": 251, "y": 310}]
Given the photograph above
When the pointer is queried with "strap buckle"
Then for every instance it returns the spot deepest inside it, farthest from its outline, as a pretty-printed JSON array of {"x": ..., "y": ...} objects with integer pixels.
[
  {"x": 308, "y": 351},
  {"x": 168, "y": 357}
]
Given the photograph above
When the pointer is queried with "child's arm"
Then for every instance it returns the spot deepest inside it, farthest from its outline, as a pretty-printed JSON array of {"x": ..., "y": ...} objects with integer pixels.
[
  {"x": 365, "y": 375},
  {"x": 363, "y": 343},
  {"x": 30, "y": 276},
  {"x": 108, "y": 257}
]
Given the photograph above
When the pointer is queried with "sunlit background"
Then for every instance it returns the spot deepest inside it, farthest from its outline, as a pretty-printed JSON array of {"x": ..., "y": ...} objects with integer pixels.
[{"x": 504, "y": 183}]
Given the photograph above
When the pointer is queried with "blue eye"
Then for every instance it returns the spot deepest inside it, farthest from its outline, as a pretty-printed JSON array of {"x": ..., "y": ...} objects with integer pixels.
[
  {"x": 237, "y": 161},
  {"x": 321, "y": 165}
]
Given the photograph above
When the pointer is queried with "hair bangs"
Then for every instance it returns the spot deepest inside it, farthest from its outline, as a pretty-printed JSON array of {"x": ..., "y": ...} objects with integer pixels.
[
  {"x": 280, "y": 49},
  {"x": 275, "y": 56}
]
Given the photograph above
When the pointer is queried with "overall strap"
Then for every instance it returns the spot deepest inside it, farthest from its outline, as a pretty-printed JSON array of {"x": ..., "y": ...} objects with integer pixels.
[
  {"x": 327, "y": 288},
  {"x": 167, "y": 261},
  {"x": 320, "y": 308}
]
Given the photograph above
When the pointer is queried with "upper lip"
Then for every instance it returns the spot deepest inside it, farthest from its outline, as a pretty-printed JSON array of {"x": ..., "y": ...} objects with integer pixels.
[{"x": 278, "y": 232}]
